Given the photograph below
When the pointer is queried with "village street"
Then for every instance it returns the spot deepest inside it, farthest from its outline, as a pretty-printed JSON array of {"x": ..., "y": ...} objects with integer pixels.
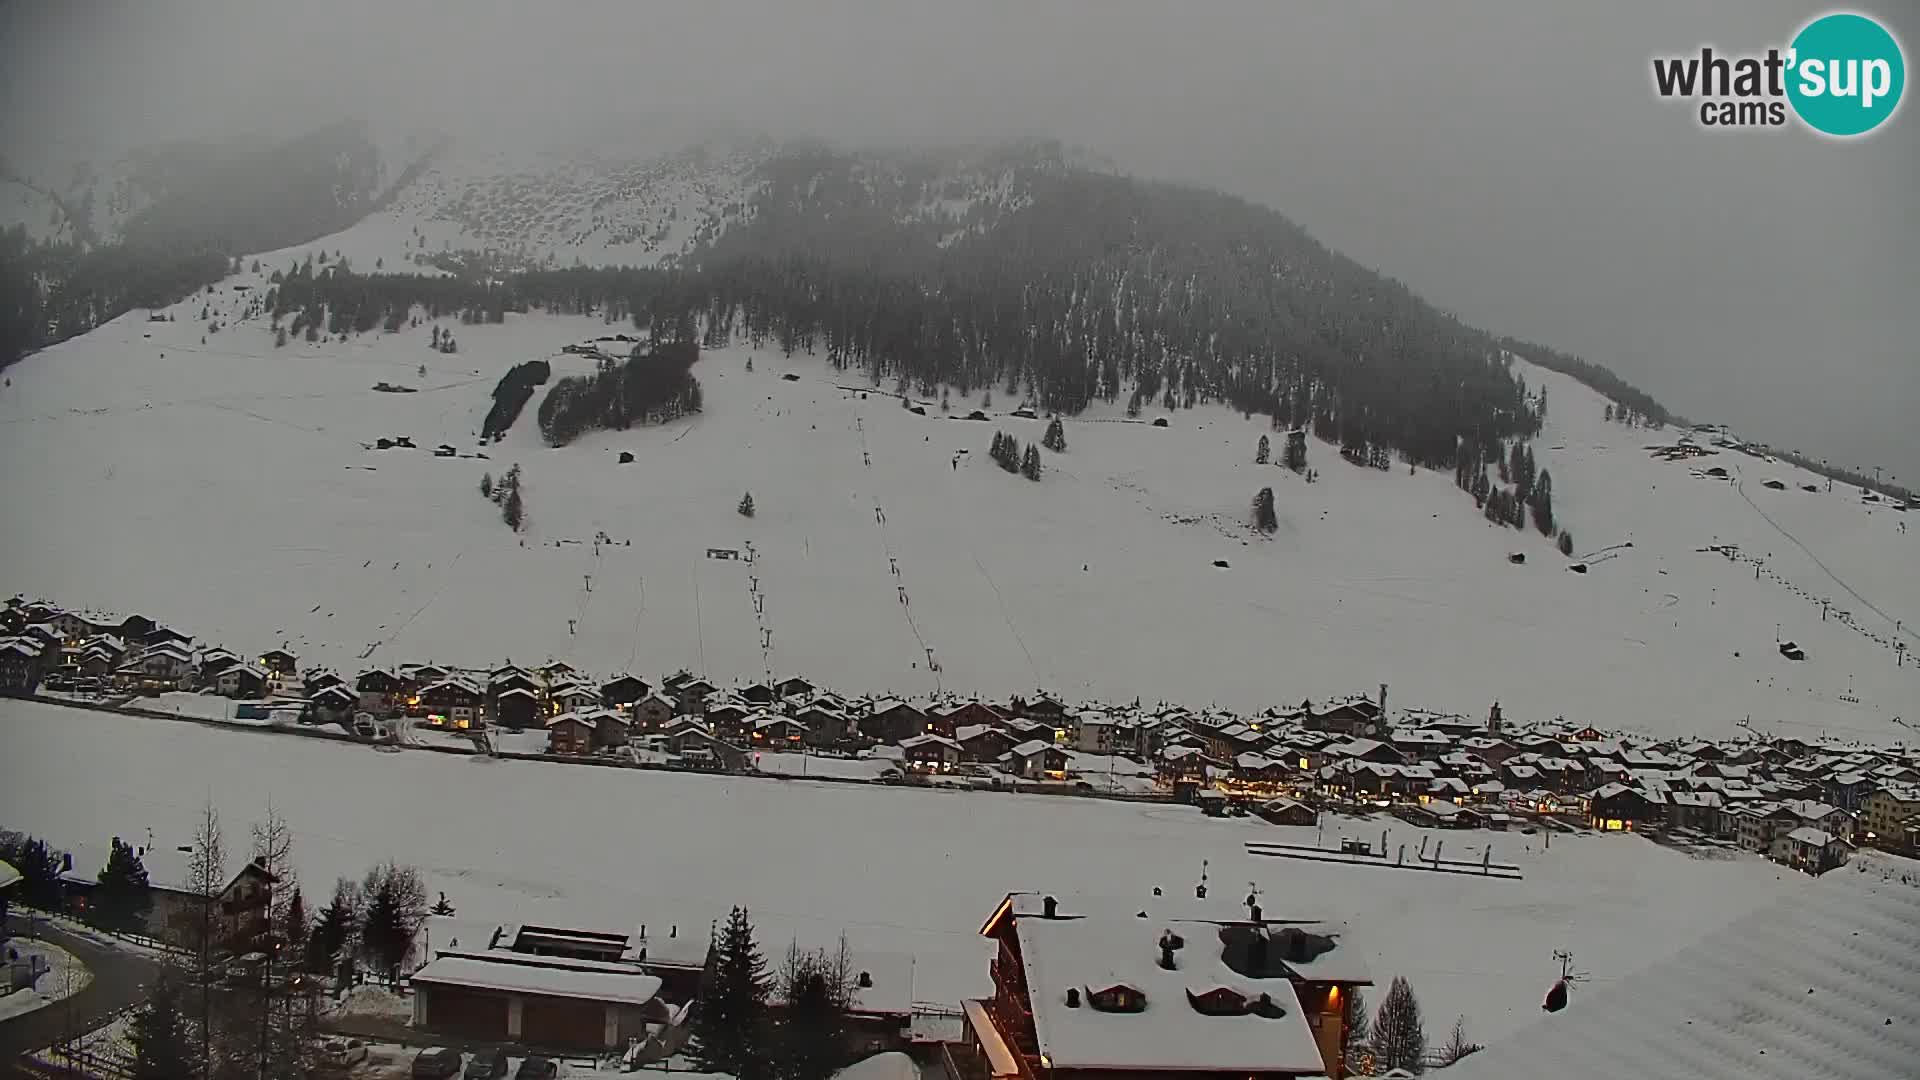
[{"x": 120, "y": 978}]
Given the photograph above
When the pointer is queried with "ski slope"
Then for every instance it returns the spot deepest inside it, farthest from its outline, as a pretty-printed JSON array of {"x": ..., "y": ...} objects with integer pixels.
[
  {"x": 230, "y": 488},
  {"x": 898, "y": 870}
]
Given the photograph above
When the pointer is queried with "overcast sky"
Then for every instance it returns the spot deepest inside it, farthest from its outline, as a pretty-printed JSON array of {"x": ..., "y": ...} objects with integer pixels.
[{"x": 1507, "y": 159}]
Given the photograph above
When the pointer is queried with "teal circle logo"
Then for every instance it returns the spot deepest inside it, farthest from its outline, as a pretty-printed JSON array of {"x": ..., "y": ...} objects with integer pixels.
[{"x": 1846, "y": 74}]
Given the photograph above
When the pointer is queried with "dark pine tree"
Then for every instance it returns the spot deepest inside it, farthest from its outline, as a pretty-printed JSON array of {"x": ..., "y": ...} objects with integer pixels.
[
  {"x": 1543, "y": 503},
  {"x": 332, "y": 929},
  {"x": 1399, "y": 1040},
  {"x": 745, "y": 508},
  {"x": 1566, "y": 543},
  {"x": 513, "y": 510},
  {"x": 1264, "y": 517},
  {"x": 1260, "y": 455},
  {"x": 441, "y": 907},
  {"x": 730, "y": 1020},
  {"x": 124, "y": 895},
  {"x": 1056, "y": 436},
  {"x": 1359, "y": 1021},
  {"x": 39, "y": 871},
  {"x": 811, "y": 1040},
  {"x": 1030, "y": 464},
  {"x": 161, "y": 1049}
]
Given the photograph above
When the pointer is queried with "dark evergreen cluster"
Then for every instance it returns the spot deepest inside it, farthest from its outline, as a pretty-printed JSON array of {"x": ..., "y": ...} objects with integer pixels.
[
  {"x": 652, "y": 386},
  {"x": 506, "y": 495},
  {"x": 1056, "y": 437},
  {"x": 51, "y": 292},
  {"x": 790, "y": 1025},
  {"x": 1006, "y": 450},
  {"x": 1532, "y": 488},
  {"x": 510, "y": 395},
  {"x": 1264, "y": 516}
]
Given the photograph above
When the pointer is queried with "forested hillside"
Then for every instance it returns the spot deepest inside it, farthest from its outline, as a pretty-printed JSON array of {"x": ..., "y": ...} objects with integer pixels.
[
  {"x": 198, "y": 207},
  {"x": 1009, "y": 266}
]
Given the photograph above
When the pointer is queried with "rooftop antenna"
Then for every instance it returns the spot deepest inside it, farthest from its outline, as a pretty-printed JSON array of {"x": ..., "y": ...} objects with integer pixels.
[{"x": 1200, "y": 890}]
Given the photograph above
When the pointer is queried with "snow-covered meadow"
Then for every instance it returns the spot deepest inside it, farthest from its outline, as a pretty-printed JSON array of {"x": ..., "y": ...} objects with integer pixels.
[
  {"x": 895, "y": 869},
  {"x": 229, "y": 488}
]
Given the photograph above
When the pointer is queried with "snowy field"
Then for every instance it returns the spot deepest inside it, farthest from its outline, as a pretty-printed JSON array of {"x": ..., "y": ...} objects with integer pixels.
[
  {"x": 897, "y": 869},
  {"x": 229, "y": 488}
]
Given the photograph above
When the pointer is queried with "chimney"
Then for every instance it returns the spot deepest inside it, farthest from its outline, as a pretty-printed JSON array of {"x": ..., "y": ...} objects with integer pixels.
[
  {"x": 1255, "y": 912},
  {"x": 1073, "y": 997},
  {"x": 866, "y": 980},
  {"x": 1257, "y": 954},
  {"x": 1166, "y": 951},
  {"x": 66, "y": 861},
  {"x": 1049, "y": 908}
]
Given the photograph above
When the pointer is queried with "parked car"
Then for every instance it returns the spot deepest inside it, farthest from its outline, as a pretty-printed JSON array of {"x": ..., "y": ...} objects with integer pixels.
[
  {"x": 438, "y": 1063},
  {"x": 490, "y": 1064},
  {"x": 537, "y": 1068},
  {"x": 343, "y": 1053}
]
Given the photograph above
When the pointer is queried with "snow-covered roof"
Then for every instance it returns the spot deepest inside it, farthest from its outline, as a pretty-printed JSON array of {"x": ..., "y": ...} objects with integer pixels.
[
  {"x": 523, "y": 975},
  {"x": 1823, "y": 985},
  {"x": 1820, "y": 838},
  {"x": 8, "y": 875},
  {"x": 1169, "y": 1033},
  {"x": 1031, "y": 747},
  {"x": 929, "y": 740}
]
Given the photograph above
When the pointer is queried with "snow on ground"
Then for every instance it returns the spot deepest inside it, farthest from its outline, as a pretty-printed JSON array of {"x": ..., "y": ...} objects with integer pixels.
[
  {"x": 781, "y": 764},
  {"x": 65, "y": 977},
  {"x": 895, "y": 868},
  {"x": 374, "y": 1001},
  {"x": 229, "y": 487},
  {"x": 214, "y": 707}
]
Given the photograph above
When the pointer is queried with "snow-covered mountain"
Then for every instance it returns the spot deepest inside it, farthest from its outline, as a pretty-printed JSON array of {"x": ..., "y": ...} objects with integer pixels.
[
  {"x": 197, "y": 473},
  {"x": 232, "y": 487},
  {"x": 592, "y": 208},
  {"x": 242, "y": 192}
]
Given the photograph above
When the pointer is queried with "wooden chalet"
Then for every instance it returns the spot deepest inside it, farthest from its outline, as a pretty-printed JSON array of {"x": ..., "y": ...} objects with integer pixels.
[
  {"x": 569, "y": 733},
  {"x": 450, "y": 703},
  {"x": 280, "y": 663},
  {"x": 1190, "y": 991},
  {"x": 930, "y": 752},
  {"x": 1617, "y": 807},
  {"x": 623, "y": 691},
  {"x": 893, "y": 721},
  {"x": 22, "y": 665},
  {"x": 983, "y": 742},
  {"x": 516, "y": 708},
  {"x": 379, "y": 690}
]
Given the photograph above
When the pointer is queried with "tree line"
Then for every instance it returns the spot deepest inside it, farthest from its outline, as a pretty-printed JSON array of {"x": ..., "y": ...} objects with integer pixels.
[
  {"x": 790, "y": 1024},
  {"x": 654, "y": 385},
  {"x": 211, "y": 1019},
  {"x": 214, "y": 203}
]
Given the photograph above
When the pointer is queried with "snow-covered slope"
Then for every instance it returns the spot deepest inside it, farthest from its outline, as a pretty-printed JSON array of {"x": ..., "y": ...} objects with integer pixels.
[
  {"x": 555, "y": 212},
  {"x": 228, "y": 487}
]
